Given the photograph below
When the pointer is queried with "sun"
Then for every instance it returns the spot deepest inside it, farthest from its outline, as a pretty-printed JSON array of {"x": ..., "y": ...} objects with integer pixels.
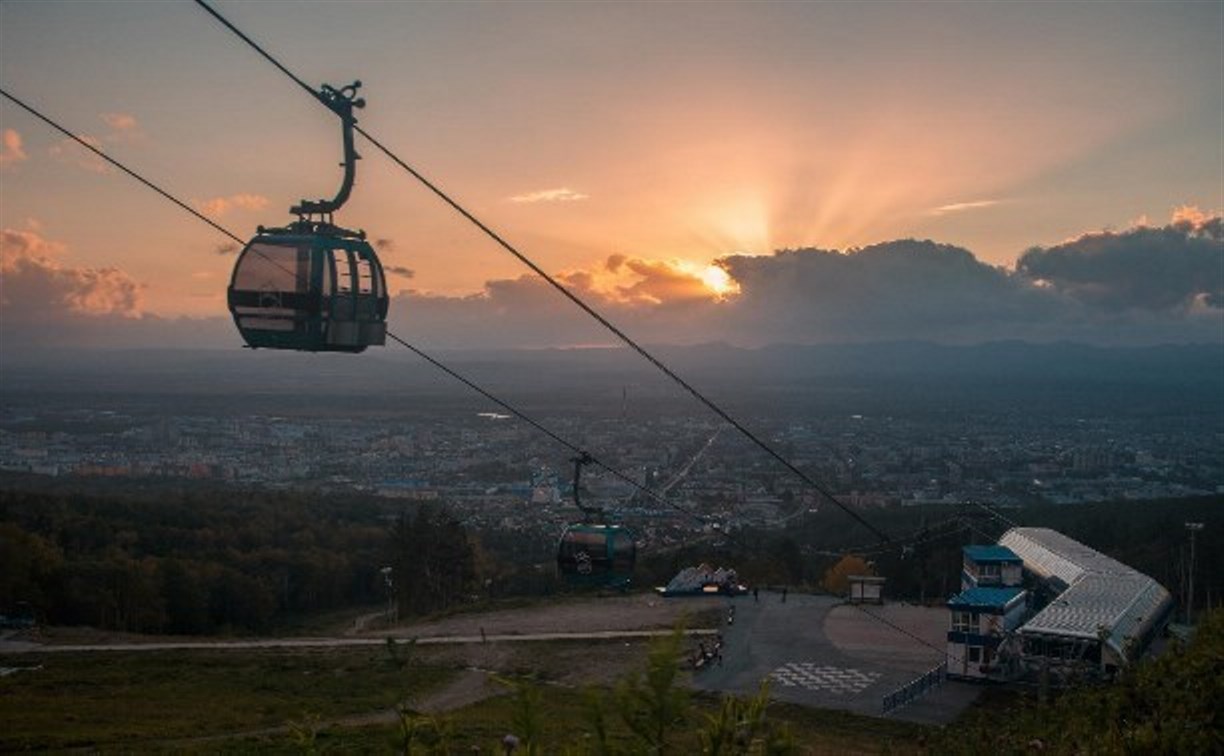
[{"x": 718, "y": 281}]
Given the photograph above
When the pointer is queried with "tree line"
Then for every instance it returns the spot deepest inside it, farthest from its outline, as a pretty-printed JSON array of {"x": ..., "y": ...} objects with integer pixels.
[{"x": 217, "y": 561}]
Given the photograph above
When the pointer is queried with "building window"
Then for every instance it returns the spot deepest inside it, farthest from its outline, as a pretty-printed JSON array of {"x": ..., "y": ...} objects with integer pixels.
[
  {"x": 964, "y": 622},
  {"x": 975, "y": 654}
]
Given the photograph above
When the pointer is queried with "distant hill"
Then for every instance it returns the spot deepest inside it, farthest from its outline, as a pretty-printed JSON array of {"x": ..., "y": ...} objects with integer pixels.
[{"x": 1060, "y": 377}]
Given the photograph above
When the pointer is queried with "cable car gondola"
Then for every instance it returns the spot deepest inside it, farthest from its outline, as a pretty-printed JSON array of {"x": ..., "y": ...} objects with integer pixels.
[
  {"x": 313, "y": 286},
  {"x": 593, "y": 553}
]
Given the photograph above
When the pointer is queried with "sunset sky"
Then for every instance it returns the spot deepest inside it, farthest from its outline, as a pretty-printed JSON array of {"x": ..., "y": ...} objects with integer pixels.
[{"x": 630, "y": 146}]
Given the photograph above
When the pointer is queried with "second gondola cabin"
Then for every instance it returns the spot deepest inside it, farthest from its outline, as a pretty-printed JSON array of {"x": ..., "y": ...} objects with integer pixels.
[{"x": 597, "y": 555}]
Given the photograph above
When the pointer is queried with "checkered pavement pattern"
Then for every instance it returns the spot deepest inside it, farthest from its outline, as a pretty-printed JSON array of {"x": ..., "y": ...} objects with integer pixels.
[{"x": 813, "y": 676}]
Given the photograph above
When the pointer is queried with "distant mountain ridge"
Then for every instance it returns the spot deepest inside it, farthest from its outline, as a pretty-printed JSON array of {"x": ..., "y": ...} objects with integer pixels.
[{"x": 1190, "y": 375}]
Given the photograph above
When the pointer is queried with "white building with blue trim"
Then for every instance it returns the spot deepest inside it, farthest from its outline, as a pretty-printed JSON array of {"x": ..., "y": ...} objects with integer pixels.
[{"x": 991, "y": 605}]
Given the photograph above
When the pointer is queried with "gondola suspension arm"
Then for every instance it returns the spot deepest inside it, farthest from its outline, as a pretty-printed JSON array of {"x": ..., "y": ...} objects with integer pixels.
[{"x": 341, "y": 102}]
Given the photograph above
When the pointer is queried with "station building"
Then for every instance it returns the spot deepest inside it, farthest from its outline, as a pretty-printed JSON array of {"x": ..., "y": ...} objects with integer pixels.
[
  {"x": 1092, "y": 610},
  {"x": 1042, "y": 602},
  {"x": 991, "y": 605}
]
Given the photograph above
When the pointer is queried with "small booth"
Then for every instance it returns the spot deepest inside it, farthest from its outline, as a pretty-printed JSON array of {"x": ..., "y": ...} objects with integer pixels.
[{"x": 866, "y": 589}]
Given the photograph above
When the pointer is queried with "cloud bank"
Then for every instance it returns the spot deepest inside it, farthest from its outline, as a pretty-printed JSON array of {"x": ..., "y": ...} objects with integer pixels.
[
  {"x": 1176, "y": 268},
  {"x": 1142, "y": 286},
  {"x": 1145, "y": 285}
]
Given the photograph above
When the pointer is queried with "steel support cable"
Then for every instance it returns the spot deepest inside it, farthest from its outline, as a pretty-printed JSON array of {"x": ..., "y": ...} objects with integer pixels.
[
  {"x": 994, "y": 513},
  {"x": 12, "y": 98},
  {"x": 561, "y": 288},
  {"x": 908, "y": 634},
  {"x": 415, "y": 350}
]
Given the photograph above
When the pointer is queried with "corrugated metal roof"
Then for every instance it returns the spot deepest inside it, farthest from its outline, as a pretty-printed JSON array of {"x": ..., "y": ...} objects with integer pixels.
[
  {"x": 982, "y": 554},
  {"x": 992, "y": 597},
  {"x": 1103, "y": 595}
]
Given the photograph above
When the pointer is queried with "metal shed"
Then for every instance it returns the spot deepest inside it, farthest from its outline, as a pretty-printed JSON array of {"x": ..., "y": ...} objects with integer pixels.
[{"x": 1101, "y": 612}]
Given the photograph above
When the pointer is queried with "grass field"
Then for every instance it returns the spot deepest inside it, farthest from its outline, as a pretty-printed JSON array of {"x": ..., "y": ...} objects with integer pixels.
[
  {"x": 102, "y": 699},
  {"x": 328, "y": 701}
]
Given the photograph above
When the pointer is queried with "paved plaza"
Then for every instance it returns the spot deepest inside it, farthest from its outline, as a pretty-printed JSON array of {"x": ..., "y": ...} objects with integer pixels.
[{"x": 818, "y": 651}]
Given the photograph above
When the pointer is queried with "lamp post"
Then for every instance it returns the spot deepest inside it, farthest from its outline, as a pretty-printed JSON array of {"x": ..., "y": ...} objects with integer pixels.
[
  {"x": 387, "y": 573},
  {"x": 1194, "y": 528}
]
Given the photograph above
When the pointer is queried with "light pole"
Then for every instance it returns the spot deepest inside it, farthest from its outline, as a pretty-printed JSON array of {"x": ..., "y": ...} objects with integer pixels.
[
  {"x": 390, "y": 583},
  {"x": 1194, "y": 528}
]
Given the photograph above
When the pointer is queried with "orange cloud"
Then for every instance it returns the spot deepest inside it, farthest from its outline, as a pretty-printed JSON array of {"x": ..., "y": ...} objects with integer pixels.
[
  {"x": 660, "y": 282},
  {"x": 120, "y": 122},
  {"x": 219, "y": 206},
  {"x": 37, "y": 286},
  {"x": 124, "y": 128},
  {"x": 11, "y": 150},
  {"x": 562, "y": 194},
  {"x": 1190, "y": 219},
  {"x": 957, "y": 207},
  {"x": 68, "y": 151}
]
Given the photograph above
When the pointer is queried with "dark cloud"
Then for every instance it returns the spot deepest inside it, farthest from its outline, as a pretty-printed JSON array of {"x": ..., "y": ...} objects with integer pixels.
[
  {"x": 384, "y": 245},
  {"x": 399, "y": 270},
  {"x": 1142, "y": 286},
  {"x": 898, "y": 290},
  {"x": 1174, "y": 268},
  {"x": 228, "y": 248}
]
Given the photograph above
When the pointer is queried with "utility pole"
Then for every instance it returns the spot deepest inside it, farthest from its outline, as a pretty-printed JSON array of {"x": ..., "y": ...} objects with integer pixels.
[
  {"x": 1194, "y": 528},
  {"x": 389, "y": 581}
]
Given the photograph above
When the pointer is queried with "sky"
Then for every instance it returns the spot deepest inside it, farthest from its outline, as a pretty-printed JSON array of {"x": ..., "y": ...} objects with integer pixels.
[{"x": 745, "y": 172}]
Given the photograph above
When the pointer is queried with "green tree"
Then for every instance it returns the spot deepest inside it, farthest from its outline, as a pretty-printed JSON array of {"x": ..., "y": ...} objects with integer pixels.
[
  {"x": 433, "y": 559},
  {"x": 740, "y": 728},
  {"x": 654, "y": 703}
]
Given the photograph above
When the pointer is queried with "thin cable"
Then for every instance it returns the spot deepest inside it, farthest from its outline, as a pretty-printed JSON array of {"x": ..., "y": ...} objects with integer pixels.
[
  {"x": 561, "y": 288},
  {"x": 993, "y": 513},
  {"x": 907, "y": 633},
  {"x": 12, "y": 98}
]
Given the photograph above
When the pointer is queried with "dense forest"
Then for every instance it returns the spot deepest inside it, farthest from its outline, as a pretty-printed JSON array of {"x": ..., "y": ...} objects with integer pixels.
[
  {"x": 215, "y": 560},
  {"x": 183, "y": 562}
]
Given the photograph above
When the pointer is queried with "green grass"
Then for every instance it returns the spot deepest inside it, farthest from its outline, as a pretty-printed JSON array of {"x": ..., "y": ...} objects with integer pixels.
[
  {"x": 98, "y": 699},
  {"x": 483, "y": 725},
  {"x": 210, "y": 701}
]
